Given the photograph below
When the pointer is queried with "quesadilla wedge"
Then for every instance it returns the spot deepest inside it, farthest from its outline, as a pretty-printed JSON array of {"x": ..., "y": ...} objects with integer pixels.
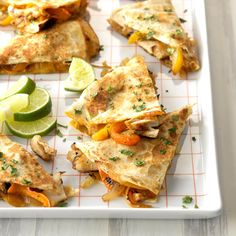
[
  {"x": 30, "y": 16},
  {"x": 49, "y": 51},
  {"x": 154, "y": 25},
  {"x": 141, "y": 168},
  {"x": 124, "y": 93},
  {"x": 23, "y": 179}
]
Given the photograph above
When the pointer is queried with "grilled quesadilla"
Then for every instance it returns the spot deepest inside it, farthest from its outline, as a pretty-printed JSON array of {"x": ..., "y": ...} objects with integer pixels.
[
  {"x": 31, "y": 15},
  {"x": 154, "y": 25},
  {"x": 124, "y": 93},
  {"x": 141, "y": 168},
  {"x": 49, "y": 51},
  {"x": 23, "y": 179}
]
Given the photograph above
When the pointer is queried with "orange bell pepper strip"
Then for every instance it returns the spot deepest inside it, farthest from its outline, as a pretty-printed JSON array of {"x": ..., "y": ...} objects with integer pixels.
[
  {"x": 102, "y": 134},
  {"x": 177, "y": 61},
  {"x": 26, "y": 191},
  {"x": 59, "y": 13},
  {"x": 128, "y": 139},
  {"x": 106, "y": 179}
]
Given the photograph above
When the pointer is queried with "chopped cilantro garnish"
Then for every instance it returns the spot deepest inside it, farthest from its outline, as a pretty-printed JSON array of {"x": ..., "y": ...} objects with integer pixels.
[
  {"x": 172, "y": 130},
  {"x": 114, "y": 158},
  {"x": 167, "y": 9},
  {"x": 59, "y": 133},
  {"x": 14, "y": 161},
  {"x": 152, "y": 17},
  {"x": 175, "y": 117},
  {"x": 139, "y": 163},
  {"x": 184, "y": 206},
  {"x": 63, "y": 126},
  {"x": 187, "y": 199},
  {"x": 64, "y": 140},
  {"x": 5, "y": 166},
  {"x": 78, "y": 111},
  {"x": 163, "y": 152},
  {"x": 150, "y": 34},
  {"x": 62, "y": 204},
  {"x": 170, "y": 51},
  {"x": 79, "y": 138},
  {"x": 14, "y": 171},
  {"x": 182, "y": 20},
  {"x": 127, "y": 152},
  {"x": 101, "y": 48},
  {"x": 111, "y": 90},
  {"x": 146, "y": 8},
  {"x": 194, "y": 139},
  {"x": 167, "y": 142},
  {"x": 196, "y": 206},
  {"x": 27, "y": 182},
  {"x": 139, "y": 108},
  {"x": 179, "y": 32}
]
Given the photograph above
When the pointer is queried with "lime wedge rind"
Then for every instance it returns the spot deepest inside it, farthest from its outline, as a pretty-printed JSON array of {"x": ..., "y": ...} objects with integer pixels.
[
  {"x": 28, "y": 129},
  {"x": 36, "y": 111},
  {"x": 23, "y": 85}
]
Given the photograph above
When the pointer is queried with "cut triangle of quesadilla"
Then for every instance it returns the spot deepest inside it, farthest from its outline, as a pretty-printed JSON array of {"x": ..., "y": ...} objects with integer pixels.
[
  {"x": 30, "y": 16},
  {"x": 22, "y": 176},
  {"x": 124, "y": 93},
  {"x": 154, "y": 25},
  {"x": 51, "y": 50},
  {"x": 140, "y": 167}
]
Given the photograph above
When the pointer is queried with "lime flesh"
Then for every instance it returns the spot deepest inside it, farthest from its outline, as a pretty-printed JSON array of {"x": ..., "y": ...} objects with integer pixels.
[
  {"x": 40, "y": 105},
  {"x": 81, "y": 75},
  {"x": 13, "y": 104}
]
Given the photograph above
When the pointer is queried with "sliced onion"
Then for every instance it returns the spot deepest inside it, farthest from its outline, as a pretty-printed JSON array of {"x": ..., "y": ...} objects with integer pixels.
[{"x": 116, "y": 191}]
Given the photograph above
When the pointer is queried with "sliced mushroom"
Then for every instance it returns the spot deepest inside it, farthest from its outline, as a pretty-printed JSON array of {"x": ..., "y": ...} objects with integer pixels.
[
  {"x": 42, "y": 149},
  {"x": 79, "y": 161}
]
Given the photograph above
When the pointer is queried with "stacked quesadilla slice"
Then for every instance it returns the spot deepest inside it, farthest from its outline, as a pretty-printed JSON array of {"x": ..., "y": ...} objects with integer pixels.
[
  {"x": 24, "y": 181},
  {"x": 138, "y": 171},
  {"x": 126, "y": 92},
  {"x": 31, "y": 16},
  {"x": 50, "y": 50},
  {"x": 154, "y": 26}
]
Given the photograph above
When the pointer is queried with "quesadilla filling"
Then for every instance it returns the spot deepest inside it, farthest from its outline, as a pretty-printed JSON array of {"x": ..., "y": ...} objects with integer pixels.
[
  {"x": 154, "y": 26},
  {"x": 32, "y": 16}
]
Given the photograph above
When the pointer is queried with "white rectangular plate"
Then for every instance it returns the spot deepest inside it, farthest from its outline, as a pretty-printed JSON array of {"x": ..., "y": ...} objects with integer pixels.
[{"x": 194, "y": 170}]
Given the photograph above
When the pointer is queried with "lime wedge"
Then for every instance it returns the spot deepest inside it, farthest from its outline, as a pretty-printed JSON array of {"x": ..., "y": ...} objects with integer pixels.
[
  {"x": 29, "y": 129},
  {"x": 81, "y": 75},
  {"x": 40, "y": 105},
  {"x": 13, "y": 104},
  {"x": 22, "y": 85}
]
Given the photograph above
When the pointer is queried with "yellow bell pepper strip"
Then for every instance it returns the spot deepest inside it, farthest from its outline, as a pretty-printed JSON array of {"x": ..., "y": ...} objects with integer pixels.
[
  {"x": 26, "y": 191},
  {"x": 177, "y": 61},
  {"x": 6, "y": 21},
  {"x": 102, "y": 134},
  {"x": 135, "y": 37}
]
